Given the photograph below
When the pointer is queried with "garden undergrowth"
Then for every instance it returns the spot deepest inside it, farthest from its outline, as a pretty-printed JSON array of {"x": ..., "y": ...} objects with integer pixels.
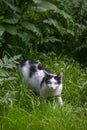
[{"x": 22, "y": 109}]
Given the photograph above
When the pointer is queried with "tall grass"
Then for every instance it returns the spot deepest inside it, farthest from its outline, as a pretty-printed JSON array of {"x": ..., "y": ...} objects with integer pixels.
[{"x": 22, "y": 109}]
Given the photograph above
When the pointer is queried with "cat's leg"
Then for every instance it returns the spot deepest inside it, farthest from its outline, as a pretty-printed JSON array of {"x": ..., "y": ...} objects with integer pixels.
[{"x": 60, "y": 101}]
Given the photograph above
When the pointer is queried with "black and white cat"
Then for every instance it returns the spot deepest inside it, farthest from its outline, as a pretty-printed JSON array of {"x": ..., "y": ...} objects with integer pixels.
[{"x": 41, "y": 80}]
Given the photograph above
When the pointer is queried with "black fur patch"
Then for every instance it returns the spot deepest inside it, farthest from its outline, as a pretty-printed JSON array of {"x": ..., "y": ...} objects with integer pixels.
[
  {"x": 31, "y": 62},
  {"x": 42, "y": 68},
  {"x": 22, "y": 63},
  {"x": 57, "y": 79},
  {"x": 43, "y": 80},
  {"x": 46, "y": 79},
  {"x": 32, "y": 70}
]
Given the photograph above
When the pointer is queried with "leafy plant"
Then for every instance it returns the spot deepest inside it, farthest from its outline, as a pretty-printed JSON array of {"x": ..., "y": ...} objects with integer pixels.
[
  {"x": 22, "y": 109},
  {"x": 8, "y": 78},
  {"x": 25, "y": 23}
]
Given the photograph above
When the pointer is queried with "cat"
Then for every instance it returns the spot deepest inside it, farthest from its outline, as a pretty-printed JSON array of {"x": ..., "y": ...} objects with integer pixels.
[{"x": 42, "y": 81}]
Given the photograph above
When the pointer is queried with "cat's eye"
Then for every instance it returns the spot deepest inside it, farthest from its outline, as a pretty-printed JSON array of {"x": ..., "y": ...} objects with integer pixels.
[{"x": 48, "y": 82}]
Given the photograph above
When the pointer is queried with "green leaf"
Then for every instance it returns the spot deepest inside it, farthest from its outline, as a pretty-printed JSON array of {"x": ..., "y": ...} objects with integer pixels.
[
  {"x": 37, "y": 1},
  {"x": 70, "y": 32},
  {"x": 66, "y": 16},
  {"x": 53, "y": 22},
  {"x": 9, "y": 62},
  {"x": 44, "y": 6},
  {"x": 15, "y": 58},
  {"x": 11, "y": 29},
  {"x": 2, "y": 30},
  {"x": 11, "y": 19},
  {"x": 30, "y": 27},
  {"x": 3, "y": 73},
  {"x": 14, "y": 8},
  {"x": 51, "y": 39},
  {"x": 80, "y": 47},
  {"x": 1, "y": 18}
]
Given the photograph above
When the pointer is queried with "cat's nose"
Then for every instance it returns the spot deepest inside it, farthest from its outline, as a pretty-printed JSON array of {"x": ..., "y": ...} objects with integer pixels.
[{"x": 52, "y": 88}]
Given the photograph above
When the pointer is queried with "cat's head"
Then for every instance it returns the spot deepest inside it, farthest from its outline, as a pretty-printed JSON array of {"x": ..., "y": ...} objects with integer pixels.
[{"x": 53, "y": 81}]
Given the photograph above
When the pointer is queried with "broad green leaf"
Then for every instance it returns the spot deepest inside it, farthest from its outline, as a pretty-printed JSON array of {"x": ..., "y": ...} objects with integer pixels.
[
  {"x": 11, "y": 29},
  {"x": 1, "y": 18},
  {"x": 66, "y": 16},
  {"x": 53, "y": 22},
  {"x": 25, "y": 36},
  {"x": 61, "y": 30},
  {"x": 11, "y": 19},
  {"x": 3, "y": 73},
  {"x": 15, "y": 58},
  {"x": 14, "y": 8},
  {"x": 2, "y": 30},
  {"x": 37, "y": 1},
  {"x": 42, "y": 5},
  {"x": 51, "y": 39},
  {"x": 70, "y": 32},
  {"x": 30, "y": 27}
]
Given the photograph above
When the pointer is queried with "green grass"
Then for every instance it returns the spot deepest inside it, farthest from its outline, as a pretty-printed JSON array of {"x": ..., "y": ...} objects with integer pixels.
[
  {"x": 21, "y": 109},
  {"x": 45, "y": 117}
]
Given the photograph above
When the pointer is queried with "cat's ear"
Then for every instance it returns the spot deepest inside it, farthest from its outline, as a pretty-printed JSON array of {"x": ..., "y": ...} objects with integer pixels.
[{"x": 60, "y": 75}]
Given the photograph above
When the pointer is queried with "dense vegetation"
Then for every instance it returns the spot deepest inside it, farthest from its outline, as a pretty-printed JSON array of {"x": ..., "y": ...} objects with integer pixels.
[{"x": 53, "y": 32}]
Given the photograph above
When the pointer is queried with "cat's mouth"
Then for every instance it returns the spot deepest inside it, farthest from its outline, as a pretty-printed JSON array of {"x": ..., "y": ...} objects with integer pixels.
[{"x": 52, "y": 88}]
